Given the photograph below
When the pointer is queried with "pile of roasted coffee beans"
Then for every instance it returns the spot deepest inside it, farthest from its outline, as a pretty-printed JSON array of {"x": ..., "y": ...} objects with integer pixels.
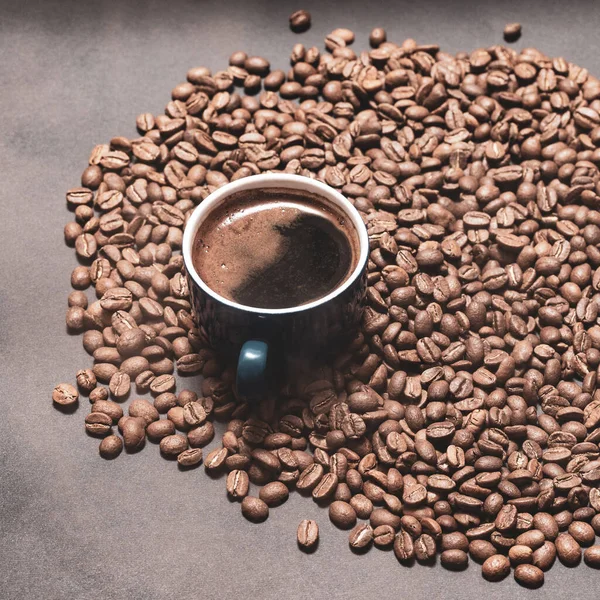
[{"x": 464, "y": 419}]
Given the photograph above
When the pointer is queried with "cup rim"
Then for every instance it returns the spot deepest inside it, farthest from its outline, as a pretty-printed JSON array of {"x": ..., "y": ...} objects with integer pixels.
[{"x": 271, "y": 180}]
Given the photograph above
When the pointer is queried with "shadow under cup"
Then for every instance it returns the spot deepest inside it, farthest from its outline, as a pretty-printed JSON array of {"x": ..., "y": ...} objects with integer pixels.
[{"x": 284, "y": 336}]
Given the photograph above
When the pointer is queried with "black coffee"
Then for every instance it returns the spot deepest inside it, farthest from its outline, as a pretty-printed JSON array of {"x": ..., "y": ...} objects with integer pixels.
[{"x": 275, "y": 248}]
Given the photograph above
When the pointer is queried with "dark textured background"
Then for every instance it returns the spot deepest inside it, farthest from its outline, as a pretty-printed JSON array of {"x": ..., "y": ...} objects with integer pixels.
[{"x": 72, "y": 526}]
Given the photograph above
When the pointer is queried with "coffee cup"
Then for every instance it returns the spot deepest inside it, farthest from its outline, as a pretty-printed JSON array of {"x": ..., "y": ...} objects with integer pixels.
[{"x": 255, "y": 250}]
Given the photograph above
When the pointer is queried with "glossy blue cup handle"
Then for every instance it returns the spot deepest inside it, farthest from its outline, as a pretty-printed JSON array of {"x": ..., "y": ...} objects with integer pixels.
[{"x": 252, "y": 369}]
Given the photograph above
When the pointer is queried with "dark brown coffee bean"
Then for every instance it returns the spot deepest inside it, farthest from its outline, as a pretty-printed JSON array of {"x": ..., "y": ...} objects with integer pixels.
[
  {"x": 300, "y": 21},
  {"x": 377, "y": 37},
  {"x": 454, "y": 560},
  {"x": 190, "y": 457},
  {"x": 112, "y": 409},
  {"x": 591, "y": 556},
  {"x": 143, "y": 409},
  {"x": 481, "y": 550},
  {"x": 403, "y": 547},
  {"x": 133, "y": 433},
  {"x": 172, "y": 445},
  {"x": 86, "y": 380},
  {"x": 425, "y": 549},
  {"x": 543, "y": 558},
  {"x": 157, "y": 430},
  {"x": 215, "y": 459},
  {"x": 254, "y": 509},
  {"x": 342, "y": 514},
  {"x": 273, "y": 493},
  {"x": 568, "y": 550},
  {"x": 310, "y": 477},
  {"x": 496, "y": 567},
  {"x": 512, "y": 32},
  {"x": 583, "y": 533},
  {"x": 325, "y": 488},
  {"x": 110, "y": 447},
  {"x": 529, "y": 576},
  {"x": 119, "y": 385}
]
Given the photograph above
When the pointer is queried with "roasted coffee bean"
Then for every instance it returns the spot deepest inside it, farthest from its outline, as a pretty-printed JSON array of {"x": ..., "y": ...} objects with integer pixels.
[
  {"x": 383, "y": 536},
  {"x": 583, "y": 533},
  {"x": 300, "y": 21},
  {"x": 377, "y": 37},
  {"x": 361, "y": 536},
  {"x": 496, "y": 567},
  {"x": 112, "y": 409},
  {"x": 110, "y": 447},
  {"x": 403, "y": 547},
  {"x": 190, "y": 457},
  {"x": 425, "y": 550},
  {"x": 254, "y": 509},
  {"x": 274, "y": 493},
  {"x": 308, "y": 534},
  {"x": 529, "y": 576},
  {"x": 481, "y": 550},
  {"x": 454, "y": 560},
  {"x": 65, "y": 394},
  {"x": 133, "y": 433},
  {"x": 568, "y": 550},
  {"x": 591, "y": 556},
  {"x": 310, "y": 477},
  {"x": 543, "y": 558},
  {"x": 157, "y": 430},
  {"x": 238, "y": 484},
  {"x": 172, "y": 445},
  {"x": 342, "y": 514},
  {"x": 97, "y": 423},
  {"x": 143, "y": 409},
  {"x": 215, "y": 459},
  {"x": 512, "y": 32}
]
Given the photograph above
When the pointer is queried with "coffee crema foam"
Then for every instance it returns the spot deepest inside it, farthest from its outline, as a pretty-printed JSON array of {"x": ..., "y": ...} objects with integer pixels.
[{"x": 275, "y": 248}]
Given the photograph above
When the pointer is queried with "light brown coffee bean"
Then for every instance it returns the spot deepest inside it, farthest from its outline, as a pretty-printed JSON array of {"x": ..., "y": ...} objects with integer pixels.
[
  {"x": 64, "y": 394},
  {"x": 110, "y": 447},
  {"x": 308, "y": 534}
]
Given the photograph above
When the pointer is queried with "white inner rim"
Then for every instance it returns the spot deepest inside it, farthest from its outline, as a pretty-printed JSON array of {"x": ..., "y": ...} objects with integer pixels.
[{"x": 274, "y": 180}]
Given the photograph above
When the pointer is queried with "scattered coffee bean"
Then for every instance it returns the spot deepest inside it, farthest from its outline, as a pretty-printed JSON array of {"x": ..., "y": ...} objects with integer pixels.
[
  {"x": 568, "y": 550},
  {"x": 512, "y": 32},
  {"x": 273, "y": 493},
  {"x": 454, "y": 560},
  {"x": 254, "y": 509},
  {"x": 110, "y": 447},
  {"x": 190, "y": 457},
  {"x": 496, "y": 567},
  {"x": 591, "y": 556},
  {"x": 342, "y": 514},
  {"x": 65, "y": 394},
  {"x": 377, "y": 37},
  {"x": 133, "y": 433},
  {"x": 529, "y": 576},
  {"x": 97, "y": 423},
  {"x": 361, "y": 536},
  {"x": 173, "y": 445},
  {"x": 300, "y": 21},
  {"x": 308, "y": 534}
]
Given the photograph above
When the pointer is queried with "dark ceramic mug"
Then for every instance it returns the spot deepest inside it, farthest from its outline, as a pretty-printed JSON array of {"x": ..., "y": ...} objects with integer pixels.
[{"x": 261, "y": 339}]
